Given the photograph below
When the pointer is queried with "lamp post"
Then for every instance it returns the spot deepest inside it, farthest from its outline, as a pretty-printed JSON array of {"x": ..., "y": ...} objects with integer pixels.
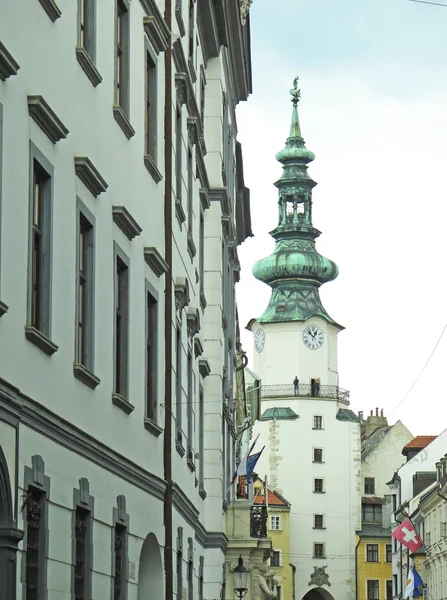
[{"x": 240, "y": 575}]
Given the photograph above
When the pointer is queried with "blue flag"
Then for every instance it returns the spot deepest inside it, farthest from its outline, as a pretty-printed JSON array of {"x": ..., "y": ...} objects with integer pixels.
[
  {"x": 417, "y": 582},
  {"x": 251, "y": 464}
]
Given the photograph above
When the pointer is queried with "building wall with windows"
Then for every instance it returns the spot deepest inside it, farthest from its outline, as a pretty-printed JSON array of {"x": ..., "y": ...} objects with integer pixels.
[
  {"x": 374, "y": 576},
  {"x": 83, "y": 284}
]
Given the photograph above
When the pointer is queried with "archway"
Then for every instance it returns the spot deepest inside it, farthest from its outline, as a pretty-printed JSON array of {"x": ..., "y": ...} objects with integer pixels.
[
  {"x": 318, "y": 593},
  {"x": 150, "y": 571},
  {"x": 10, "y": 536}
]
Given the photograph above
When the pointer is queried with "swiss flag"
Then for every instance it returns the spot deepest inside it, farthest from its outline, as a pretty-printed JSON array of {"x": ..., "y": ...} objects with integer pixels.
[{"x": 407, "y": 535}]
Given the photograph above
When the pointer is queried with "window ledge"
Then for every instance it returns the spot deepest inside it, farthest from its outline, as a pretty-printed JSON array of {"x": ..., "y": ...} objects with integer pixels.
[
  {"x": 318, "y": 462},
  {"x": 318, "y": 528},
  {"x": 51, "y": 8},
  {"x": 45, "y": 117},
  {"x": 152, "y": 168},
  {"x": 180, "y": 23},
  {"x": 88, "y": 66},
  {"x": 224, "y": 506},
  {"x": 315, "y": 492},
  {"x": 152, "y": 427},
  {"x": 179, "y": 448},
  {"x": 122, "y": 403},
  {"x": 322, "y": 557},
  {"x": 3, "y": 308},
  {"x": 123, "y": 121},
  {"x": 190, "y": 461},
  {"x": 317, "y": 428},
  {"x": 179, "y": 212},
  {"x": 191, "y": 246},
  {"x": 40, "y": 340},
  {"x": 192, "y": 70},
  {"x": 8, "y": 66},
  {"x": 86, "y": 376},
  {"x": 202, "y": 493},
  {"x": 203, "y": 302}
]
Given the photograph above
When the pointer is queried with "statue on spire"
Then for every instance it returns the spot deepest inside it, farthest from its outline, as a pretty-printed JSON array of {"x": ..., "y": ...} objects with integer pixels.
[{"x": 295, "y": 92}]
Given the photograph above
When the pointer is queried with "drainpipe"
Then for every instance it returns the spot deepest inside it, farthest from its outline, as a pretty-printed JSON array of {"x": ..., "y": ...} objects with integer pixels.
[
  {"x": 356, "y": 570},
  {"x": 293, "y": 581},
  {"x": 167, "y": 437}
]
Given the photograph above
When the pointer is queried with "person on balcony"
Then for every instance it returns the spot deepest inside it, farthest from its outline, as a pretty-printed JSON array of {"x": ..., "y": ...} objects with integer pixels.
[
  {"x": 315, "y": 388},
  {"x": 296, "y": 383}
]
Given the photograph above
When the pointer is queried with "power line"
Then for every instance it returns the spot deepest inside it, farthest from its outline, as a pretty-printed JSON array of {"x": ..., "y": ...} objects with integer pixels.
[
  {"x": 429, "y": 358},
  {"x": 426, "y": 2}
]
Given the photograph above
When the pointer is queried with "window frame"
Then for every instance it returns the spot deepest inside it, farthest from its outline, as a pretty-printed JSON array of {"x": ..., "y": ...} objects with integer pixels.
[
  {"x": 389, "y": 553},
  {"x": 82, "y": 500},
  {"x": 121, "y": 323},
  {"x": 277, "y": 520},
  {"x": 190, "y": 191},
  {"x": 3, "y": 307},
  {"x": 376, "y": 591},
  {"x": 315, "y": 451},
  {"x": 316, "y": 526},
  {"x": 318, "y": 422},
  {"x": 179, "y": 384},
  {"x": 321, "y": 545},
  {"x": 372, "y": 553},
  {"x": 316, "y": 491},
  {"x": 374, "y": 508},
  {"x": 190, "y": 403},
  {"x": 122, "y": 56},
  {"x": 120, "y": 524},
  {"x": 152, "y": 331},
  {"x": 178, "y": 152},
  {"x": 369, "y": 483},
  {"x": 87, "y": 27},
  {"x": 276, "y": 558},
  {"x": 43, "y": 302},
  {"x": 388, "y": 585},
  {"x": 151, "y": 103}
]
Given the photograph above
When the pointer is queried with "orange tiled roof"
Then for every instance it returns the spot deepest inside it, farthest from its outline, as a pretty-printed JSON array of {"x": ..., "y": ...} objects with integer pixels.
[
  {"x": 273, "y": 500},
  {"x": 420, "y": 441}
]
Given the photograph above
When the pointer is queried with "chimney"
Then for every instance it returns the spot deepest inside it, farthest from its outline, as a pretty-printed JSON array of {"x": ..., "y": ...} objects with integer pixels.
[
  {"x": 438, "y": 472},
  {"x": 377, "y": 412},
  {"x": 372, "y": 412},
  {"x": 374, "y": 422},
  {"x": 381, "y": 413},
  {"x": 361, "y": 414}
]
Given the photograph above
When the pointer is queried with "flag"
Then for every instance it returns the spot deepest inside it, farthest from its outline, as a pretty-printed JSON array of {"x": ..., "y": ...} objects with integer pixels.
[
  {"x": 242, "y": 467},
  {"x": 406, "y": 534},
  {"x": 251, "y": 464},
  {"x": 413, "y": 582}
]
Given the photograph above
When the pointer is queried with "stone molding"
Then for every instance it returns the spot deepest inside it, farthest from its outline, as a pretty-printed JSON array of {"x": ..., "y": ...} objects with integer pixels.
[
  {"x": 40, "y": 340},
  {"x": 158, "y": 33},
  {"x": 221, "y": 195},
  {"x": 89, "y": 175},
  {"x": 152, "y": 168},
  {"x": 8, "y": 66},
  {"x": 86, "y": 376},
  {"x": 155, "y": 261},
  {"x": 204, "y": 367},
  {"x": 41, "y": 112},
  {"x": 193, "y": 321},
  {"x": 181, "y": 291},
  {"x": 3, "y": 308},
  {"x": 204, "y": 198},
  {"x": 198, "y": 347},
  {"x": 122, "y": 403},
  {"x": 88, "y": 66},
  {"x": 125, "y": 221},
  {"x": 123, "y": 121},
  {"x": 51, "y": 8}
]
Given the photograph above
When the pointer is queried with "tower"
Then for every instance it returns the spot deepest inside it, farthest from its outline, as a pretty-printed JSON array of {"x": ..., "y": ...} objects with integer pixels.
[{"x": 312, "y": 437}]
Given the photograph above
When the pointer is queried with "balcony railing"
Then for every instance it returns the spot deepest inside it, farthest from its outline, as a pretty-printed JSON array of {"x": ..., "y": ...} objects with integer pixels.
[
  {"x": 258, "y": 521},
  {"x": 305, "y": 390}
]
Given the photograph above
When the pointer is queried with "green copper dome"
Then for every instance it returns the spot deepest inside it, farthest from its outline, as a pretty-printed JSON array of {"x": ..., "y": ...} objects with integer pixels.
[{"x": 295, "y": 270}]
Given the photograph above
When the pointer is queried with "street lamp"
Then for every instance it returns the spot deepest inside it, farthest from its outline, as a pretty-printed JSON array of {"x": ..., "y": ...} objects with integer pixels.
[{"x": 240, "y": 575}]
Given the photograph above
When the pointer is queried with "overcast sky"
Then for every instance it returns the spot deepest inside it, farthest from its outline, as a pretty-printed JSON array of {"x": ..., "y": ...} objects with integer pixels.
[{"x": 373, "y": 78}]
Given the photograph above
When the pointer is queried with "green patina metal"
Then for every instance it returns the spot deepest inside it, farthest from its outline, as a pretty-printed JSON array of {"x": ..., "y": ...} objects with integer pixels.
[
  {"x": 279, "y": 414},
  {"x": 295, "y": 270}
]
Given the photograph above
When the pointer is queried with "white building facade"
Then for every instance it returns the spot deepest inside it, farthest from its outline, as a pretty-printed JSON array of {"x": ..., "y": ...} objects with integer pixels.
[
  {"x": 122, "y": 203},
  {"x": 312, "y": 438}
]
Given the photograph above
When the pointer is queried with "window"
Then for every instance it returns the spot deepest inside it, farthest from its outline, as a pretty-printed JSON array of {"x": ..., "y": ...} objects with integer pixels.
[
  {"x": 85, "y": 293},
  {"x": 318, "y": 486},
  {"x": 202, "y": 100},
  {"x": 275, "y": 523},
  {"x": 190, "y": 192},
  {"x": 394, "y": 502},
  {"x": 369, "y": 485},
  {"x": 35, "y": 544},
  {"x": 318, "y": 422},
  {"x": 319, "y": 551},
  {"x": 318, "y": 522},
  {"x": 318, "y": 455},
  {"x": 178, "y": 153},
  {"x": 121, "y": 326},
  {"x": 396, "y": 591},
  {"x": 275, "y": 559},
  {"x": 372, "y": 553},
  {"x": 201, "y": 560},
  {"x": 151, "y": 357},
  {"x": 40, "y": 261},
  {"x": 82, "y": 554},
  {"x": 120, "y": 558},
  {"x": 86, "y": 26},
  {"x": 427, "y": 540},
  {"x": 180, "y": 562},
  {"x": 372, "y": 513},
  {"x": 190, "y": 570},
  {"x": 151, "y": 106},
  {"x": 191, "y": 30},
  {"x": 189, "y": 406},
  {"x": 389, "y": 553},
  {"x": 443, "y": 529},
  {"x": 202, "y": 251},
  {"x": 201, "y": 439},
  {"x": 178, "y": 384},
  {"x": 395, "y": 545},
  {"x": 122, "y": 56},
  {"x": 372, "y": 589},
  {"x": 389, "y": 590},
  {"x": 278, "y": 593}
]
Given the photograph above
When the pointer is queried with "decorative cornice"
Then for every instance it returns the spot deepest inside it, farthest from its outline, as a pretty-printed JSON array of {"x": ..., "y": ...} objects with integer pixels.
[
  {"x": 244, "y": 6},
  {"x": 3, "y": 308},
  {"x": 193, "y": 321},
  {"x": 204, "y": 198},
  {"x": 204, "y": 367},
  {"x": 155, "y": 261},
  {"x": 201, "y": 172},
  {"x": 88, "y": 66},
  {"x": 181, "y": 291},
  {"x": 221, "y": 195},
  {"x": 40, "y": 111},
  {"x": 151, "y": 166},
  {"x": 216, "y": 539},
  {"x": 125, "y": 221},
  {"x": 51, "y": 8},
  {"x": 184, "y": 506},
  {"x": 123, "y": 121},
  {"x": 89, "y": 175},
  {"x": 158, "y": 33},
  {"x": 8, "y": 66}
]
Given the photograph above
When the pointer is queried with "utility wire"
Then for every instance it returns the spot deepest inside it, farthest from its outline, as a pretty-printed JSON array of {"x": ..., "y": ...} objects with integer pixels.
[
  {"x": 426, "y": 2},
  {"x": 429, "y": 358}
]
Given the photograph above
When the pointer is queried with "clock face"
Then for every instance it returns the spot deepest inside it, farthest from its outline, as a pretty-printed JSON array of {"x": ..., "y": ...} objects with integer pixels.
[
  {"x": 313, "y": 337},
  {"x": 259, "y": 340}
]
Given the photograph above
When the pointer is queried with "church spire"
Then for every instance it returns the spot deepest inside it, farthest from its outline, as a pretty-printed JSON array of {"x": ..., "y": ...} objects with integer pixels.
[{"x": 295, "y": 270}]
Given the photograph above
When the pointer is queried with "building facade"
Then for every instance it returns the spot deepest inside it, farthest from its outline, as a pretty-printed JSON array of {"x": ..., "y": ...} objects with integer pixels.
[
  {"x": 312, "y": 438},
  {"x": 122, "y": 203}
]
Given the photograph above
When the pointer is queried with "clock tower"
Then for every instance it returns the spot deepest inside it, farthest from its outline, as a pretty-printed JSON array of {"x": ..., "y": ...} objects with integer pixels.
[{"x": 311, "y": 437}]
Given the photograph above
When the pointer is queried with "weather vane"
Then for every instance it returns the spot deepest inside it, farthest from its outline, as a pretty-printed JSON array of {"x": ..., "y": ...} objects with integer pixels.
[{"x": 295, "y": 92}]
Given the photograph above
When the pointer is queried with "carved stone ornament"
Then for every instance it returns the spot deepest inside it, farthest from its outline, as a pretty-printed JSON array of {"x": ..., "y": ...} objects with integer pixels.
[
  {"x": 181, "y": 88},
  {"x": 261, "y": 588},
  {"x": 193, "y": 321},
  {"x": 319, "y": 577},
  {"x": 193, "y": 135},
  {"x": 181, "y": 293},
  {"x": 244, "y": 6}
]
